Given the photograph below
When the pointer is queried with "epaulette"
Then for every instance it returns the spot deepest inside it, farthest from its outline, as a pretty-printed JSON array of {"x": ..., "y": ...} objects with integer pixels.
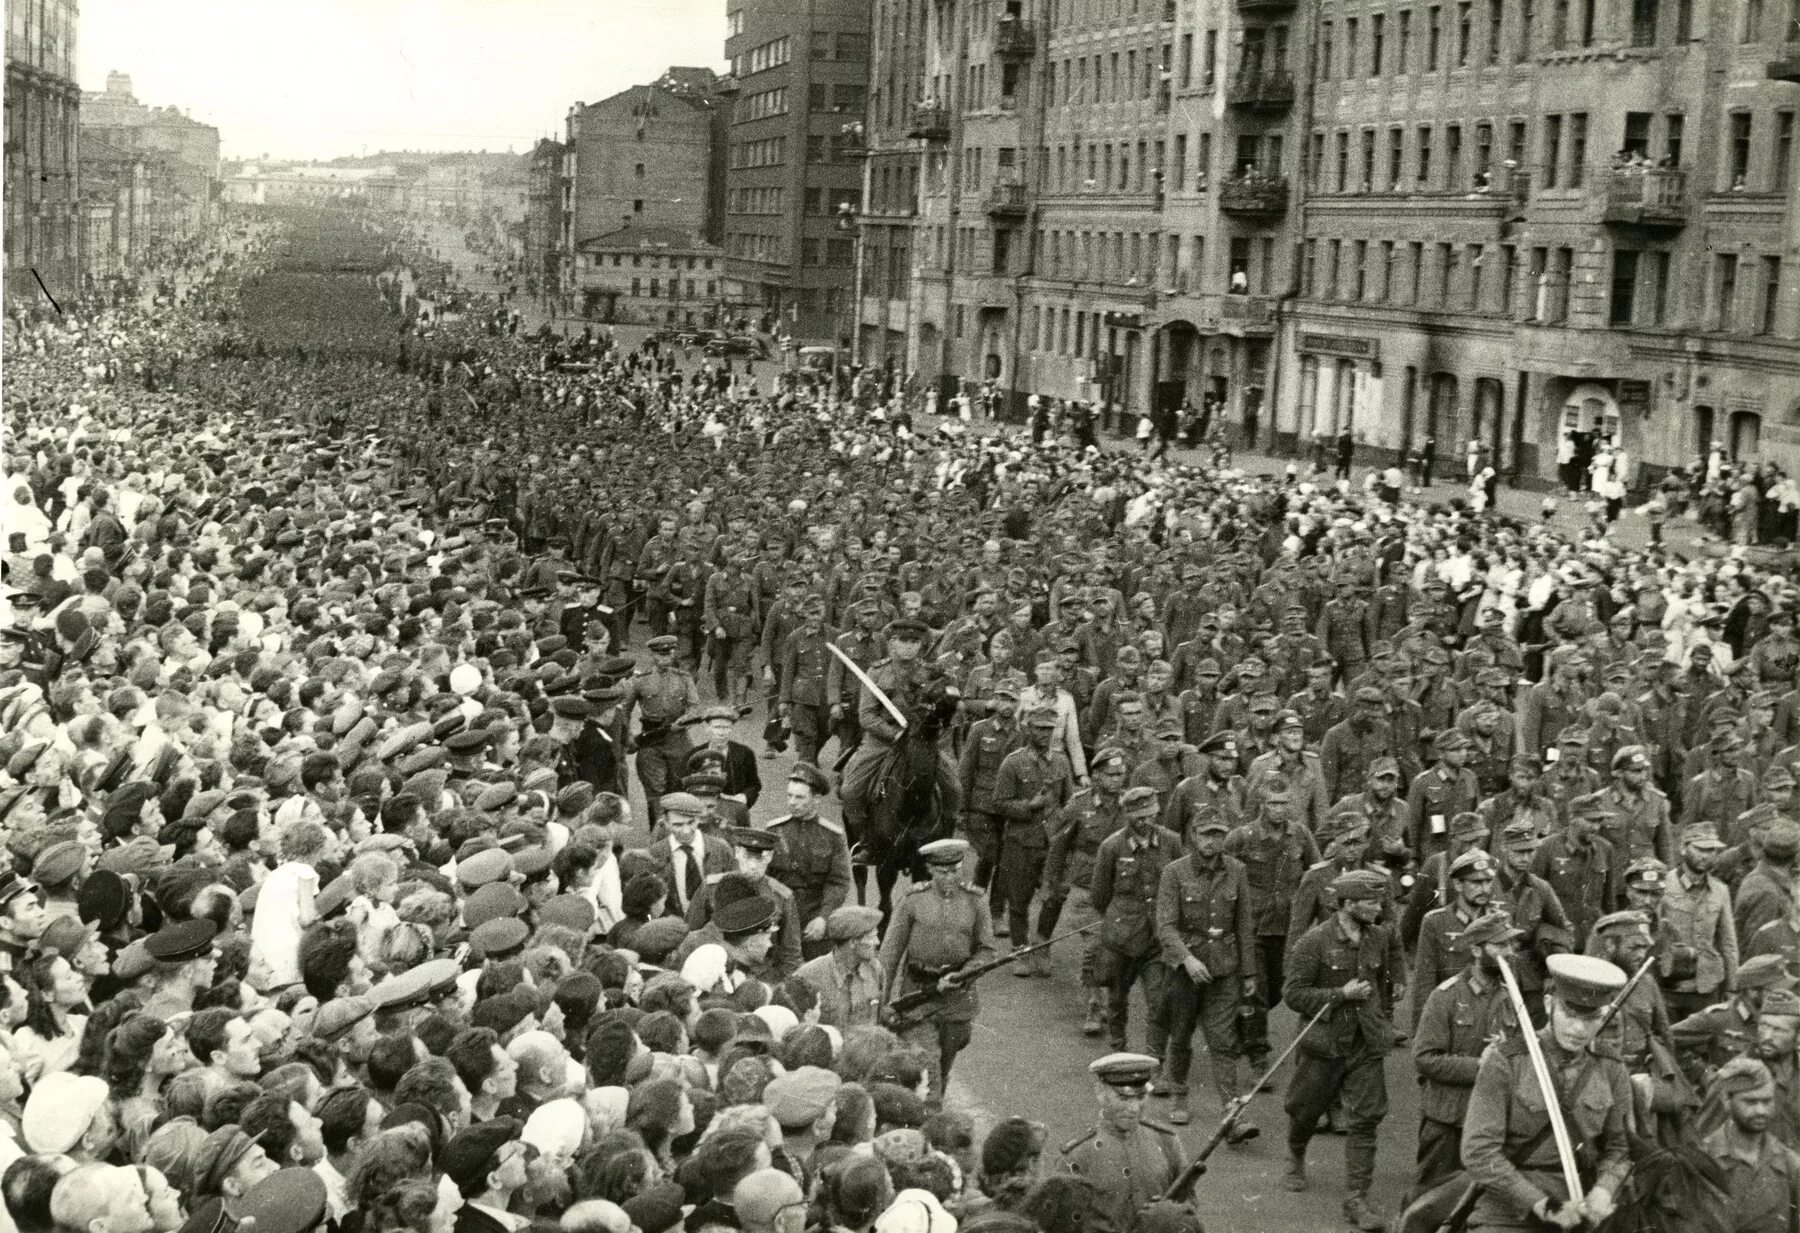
[
  {"x": 1451, "y": 981},
  {"x": 1161, "y": 1128},
  {"x": 830, "y": 824},
  {"x": 775, "y": 822},
  {"x": 1076, "y": 1142},
  {"x": 920, "y": 889},
  {"x": 1320, "y": 865},
  {"x": 712, "y": 879}
]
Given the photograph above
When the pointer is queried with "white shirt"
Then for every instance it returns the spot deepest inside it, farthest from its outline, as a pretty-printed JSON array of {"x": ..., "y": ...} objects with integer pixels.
[
  {"x": 678, "y": 865},
  {"x": 1068, "y": 725}
]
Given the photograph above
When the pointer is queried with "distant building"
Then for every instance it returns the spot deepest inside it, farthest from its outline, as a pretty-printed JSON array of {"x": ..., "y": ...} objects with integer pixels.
[
  {"x": 43, "y": 199},
  {"x": 180, "y": 157},
  {"x": 651, "y": 156},
  {"x": 544, "y": 191},
  {"x": 649, "y": 275},
  {"x": 379, "y": 186},
  {"x": 115, "y": 203},
  {"x": 800, "y": 76}
]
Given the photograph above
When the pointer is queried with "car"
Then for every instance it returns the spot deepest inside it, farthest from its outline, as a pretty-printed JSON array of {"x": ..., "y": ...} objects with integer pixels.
[{"x": 737, "y": 344}]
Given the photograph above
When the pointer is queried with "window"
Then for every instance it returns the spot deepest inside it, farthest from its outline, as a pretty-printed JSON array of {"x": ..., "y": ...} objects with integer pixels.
[
  {"x": 1771, "y": 295},
  {"x": 1333, "y": 250},
  {"x": 816, "y": 149},
  {"x": 1187, "y": 60},
  {"x": 1509, "y": 270},
  {"x": 821, "y": 45},
  {"x": 1453, "y": 157},
  {"x": 1446, "y": 266},
  {"x": 1577, "y": 148},
  {"x": 1377, "y": 42},
  {"x": 637, "y": 206},
  {"x": 1343, "y": 163},
  {"x": 1367, "y": 183},
  {"x": 1403, "y": 51},
  {"x": 1209, "y": 59},
  {"x": 1434, "y": 19},
  {"x": 1657, "y": 309},
  {"x": 1396, "y": 160},
  {"x": 1180, "y": 177},
  {"x": 1203, "y": 166},
  {"x": 1496, "y": 31},
  {"x": 636, "y": 288},
  {"x": 1385, "y": 274},
  {"x": 852, "y": 46},
  {"x": 1677, "y": 126},
  {"x": 1643, "y": 23},
  {"x": 1350, "y": 47},
  {"x": 1473, "y": 257},
  {"x": 1637, "y": 134},
  {"x": 1784, "y": 151},
  {"x": 1561, "y": 272},
  {"x": 1624, "y": 288},
  {"x": 842, "y": 252},
  {"x": 1753, "y": 21},
  {"x": 816, "y": 97},
  {"x": 1527, "y": 15},
  {"x": 1465, "y": 32},
  {"x": 1424, "y": 169},
  {"x": 1325, "y": 51},
  {"x": 1725, "y": 284},
  {"x": 1415, "y": 267},
  {"x": 1552, "y": 149},
  {"x": 1309, "y": 263},
  {"x": 1739, "y": 152},
  {"x": 1484, "y": 154},
  {"x": 1359, "y": 270}
]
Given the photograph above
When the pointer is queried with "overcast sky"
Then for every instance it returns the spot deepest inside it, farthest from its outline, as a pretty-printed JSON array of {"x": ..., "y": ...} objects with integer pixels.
[{"x": 318, "y": 78}]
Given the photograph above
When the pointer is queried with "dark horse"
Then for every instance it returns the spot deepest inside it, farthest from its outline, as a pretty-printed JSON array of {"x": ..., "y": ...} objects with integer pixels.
[{"x": 913, "y": 797}]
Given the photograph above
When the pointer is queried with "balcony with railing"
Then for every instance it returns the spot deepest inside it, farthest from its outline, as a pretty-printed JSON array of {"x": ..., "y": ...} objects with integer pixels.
[
  {"x": 1006, "y": 199},
  {"x": 1644, "y": 196},
  {"x": 1261, "y": 89},
  {"x": 1786, "y": 66},
  {"x": 1014, "y": 40},
  {"x": 1255, "y": 195},
  {"x": 1250, "y": 315},
  {"x": 930, "y": 121}
]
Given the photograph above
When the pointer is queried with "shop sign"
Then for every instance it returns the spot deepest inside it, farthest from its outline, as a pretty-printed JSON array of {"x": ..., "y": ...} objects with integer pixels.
[{"x": 1347, "y": 345}]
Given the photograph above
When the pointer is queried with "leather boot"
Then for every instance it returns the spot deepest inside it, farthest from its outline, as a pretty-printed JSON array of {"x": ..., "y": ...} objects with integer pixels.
[
  {"x": 1095, "y": 1023},
  {"x": 1178, "y": 1114},
  {"x": 1022, "y": 968},
  {"x": 1294, "y": 1176},
  {"x": 1361, "y": 1216},
  {"x": 1041, "y": 964}
]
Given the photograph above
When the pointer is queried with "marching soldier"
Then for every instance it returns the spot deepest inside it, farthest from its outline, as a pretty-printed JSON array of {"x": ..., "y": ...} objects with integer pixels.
[
  {"x": 1700, "y": 956},
  {"x": 1291, "y": 760},
  {"x": 1443, "y": 948},
  {"x": 1350, "y": 964},
  {"x": 1217, "y": 788},
  {"x": 804, "y": 671},
  {"x": 1709, "y": 1038},
  {"x": 866, "y": 647},
  {"x": 1581, "y": 866},
  {"x": 978, "y": 768},
  {"x": 1127, "y": 871},
  {"x": 1276, "y": 852},
  {"x": 1033, "y": 785},
  {"x": 664, "y": 694},
  {"x": 1204, "y": 922},
  {"x": 1640, "y": 812},
  {"x": 1441, "y": 793},
  {"x": 1461, "y": 1017},
  {"x": 1132, "y": 1161},
  {"x": 1352, "y": 746},
  {"x": 1760, "y": 1173},
  {"x": 1092, "y": 816},
  {"x": 939, "y": 931},
  {"x": 812, "y": 858},
  {"x": 1504, "y": 1144}
]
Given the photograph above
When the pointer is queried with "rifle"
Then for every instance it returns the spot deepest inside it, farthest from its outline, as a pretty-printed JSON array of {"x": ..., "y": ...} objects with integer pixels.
[
  {"x": 1234, "y": 1109},
  {"x": 651, "y": 733},
  {"x": 904, "y": 1005}
]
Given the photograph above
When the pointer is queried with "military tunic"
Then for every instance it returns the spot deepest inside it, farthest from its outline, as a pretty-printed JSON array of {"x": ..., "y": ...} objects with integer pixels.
[
  {"x": 1460, "y": 1018},
  {"x": 812, "y": 858},
  {"x": 1131, "y": 1168}
]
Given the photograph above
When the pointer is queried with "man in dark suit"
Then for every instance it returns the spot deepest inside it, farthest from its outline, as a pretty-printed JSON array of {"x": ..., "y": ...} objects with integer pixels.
[
  {"x": 737, "y": 760},
  {"x": 487, "y": 1161},
  {"x": 685, "y": 857}
]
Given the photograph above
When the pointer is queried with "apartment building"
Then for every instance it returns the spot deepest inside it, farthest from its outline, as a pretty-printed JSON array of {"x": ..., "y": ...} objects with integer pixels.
[{"x": 1492, "y": 220}]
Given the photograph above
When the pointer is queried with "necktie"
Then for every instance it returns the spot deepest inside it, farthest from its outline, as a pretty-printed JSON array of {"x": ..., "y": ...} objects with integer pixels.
[{"x": 690, "y": 873}]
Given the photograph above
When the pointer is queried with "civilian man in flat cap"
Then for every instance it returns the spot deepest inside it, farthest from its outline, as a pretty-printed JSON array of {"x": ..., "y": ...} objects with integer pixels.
[
  {"x": 686, "y": 856},
  {"x": 812, "y": 857},
  {"x": 1131, "y": 1160},
  {"x": 753, "y": 850},
  {"x": 847, "y": 977},
  {"x": 665, "y": 694},
  {"x": 803, "y": 1102},
  {"x": 1503, "y": 1147},
  {"x": 1462, "y": 1016},
  {"x": 938, "y": 931},
  {"x": 1343, "y": 1056}
]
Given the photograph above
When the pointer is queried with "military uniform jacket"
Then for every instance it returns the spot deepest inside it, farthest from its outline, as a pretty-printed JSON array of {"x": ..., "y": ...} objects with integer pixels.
[
  {"x": 1023, "y": 775},
  {"x": 1700, "y": 953},
  {"x": 1304, "y": 772},
  {"x": 804, "y": 667},
  {"x": 933, "y": 934},
  {"x": 1461, "y": 1016},
  {"x": 1087, "y": 821},
  {"x": 1273, "y": 864},
  {"x": 1314, "y": 899},
  {"x": 1387, "y": 819},
  {"x": 1588, "y": 879},
  {"x": 864, "y": 650},
  {"x": 1128, "y": 871},
  {"x": 1507, "y": 1114},
  {"x": 1203, "y": 912},
  {"x": 1131, "y": 1169},
  {"x": 664, "y": 695},
  {"x": 812, "y": 859},
  {"x": 1714, "y": 1036},
  {"x": 986, "y": 747},
  {"x": 1320, "y": 965},
  {"x": 1347, "y": 752},
  {"x": 1201, "y": 792},
  {"x": 847, "y": 999},
  {"x": 1765, "y": 895},
  {"x": 1764, "y": 1197},
  {"x": 1437, "y": 796},
  {"x": 1440, "y": 953},
  {"x": 1720, "y": 796}
]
